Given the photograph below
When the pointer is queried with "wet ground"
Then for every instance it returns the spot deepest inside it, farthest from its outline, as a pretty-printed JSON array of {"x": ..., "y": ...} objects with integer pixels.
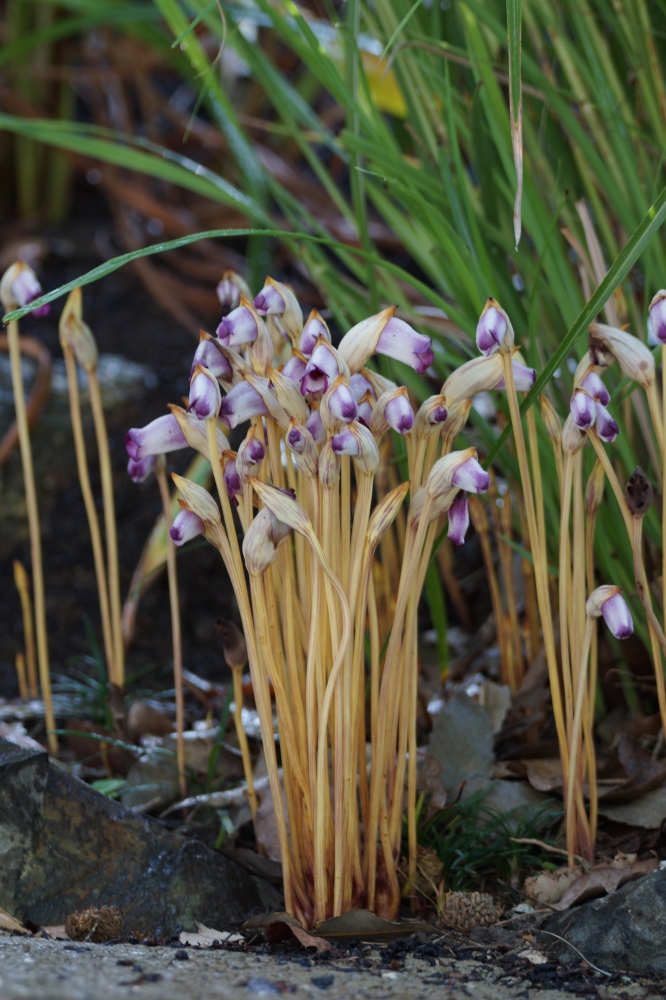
[{"x": 54, "y": 970}]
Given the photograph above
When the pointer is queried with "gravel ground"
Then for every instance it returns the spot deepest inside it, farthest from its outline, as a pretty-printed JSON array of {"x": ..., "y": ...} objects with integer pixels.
[{"x": 38, "y": 969}]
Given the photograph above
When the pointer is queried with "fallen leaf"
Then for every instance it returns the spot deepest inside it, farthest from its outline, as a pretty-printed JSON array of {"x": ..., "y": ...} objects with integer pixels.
[
  {"x": 544, "y": 775},
  {"x": 206, "y": 937},
  {"x": 9, "y": 923},
  {"x": 533, "y": 956},
  {"x": 647, "y": 812},
  {"x": 279, "y": 930},
  {"x": 368, "y": 926},
  {"x": 571, "y": 886},
  {"x": 58, "y": 932},
  {"x": 254, "y": 863}
]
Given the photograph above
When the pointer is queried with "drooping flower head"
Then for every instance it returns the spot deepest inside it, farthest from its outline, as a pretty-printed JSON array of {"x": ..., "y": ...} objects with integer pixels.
[
  {"x": 240, "y": 404},
  {"x": 458, "y": 519},
  {"x": 657, "y": 319},
  {"x": 230, "y": 290},
  {"x": 19, "y": 287},
  {"x": 609, "y": 602},
  {"x": 388, "y": 335},
  {"x": 140, "y": 470},
  {"x": 205, "y": 396},
  {"x": 324, "y": 366},
  {"x": 494, "y": 330},
  {"x": 209, "y": 356},
  {"x": 239, "y": 327},
  {"x": 186, "y": 526},
  {"x": 156, "y": 438}
]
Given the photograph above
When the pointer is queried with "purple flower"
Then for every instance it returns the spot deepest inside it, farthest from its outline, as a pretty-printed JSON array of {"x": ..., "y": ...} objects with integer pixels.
[
  {"x": 156, "y": 438},
  {"x": 186, "y": 526},
  {"x": 296, "y": 440},
  {"x": 458, "y": 519},
  {"x": 204, "y": 396},
  {"x": 342, "y": 405},
  {"x": 596, "y": 388},
  {"x": 606, "y": 427},
  {"x": 364, "y": 411},
  {"x": 209, "y": 356},
  {"x": 313, "y": 329},
  {"x": 240, "y": 404},
  {"x": 360, "y": 386},
  {"x": 315, "y": 425},
  {"x": 471, "y": 477},
  {"x": 229, "y": 295},
  {"x": 617, "y": 616},
  {"x": 398, "y": 340},
  {"x": 294, "y": 368},
  {"x": 583, "y": 409},
  {"x": 399, "y": 414},
  {"x": 523, "y": 377},
  {"x": 141, "y": 469},
  {"x": 321, "y": 369},
  {"x": 25, "y": 288},
  {"x": 269, "y": 302},
  {"x": 232, "y": 479},
  {"x": 657, "y": 319},
  {"x": 491, "y": 330},
  {"x": 239, "y": 327},
  {"x": 250, "y": 453},
  {"x": 345, "y": 443}
]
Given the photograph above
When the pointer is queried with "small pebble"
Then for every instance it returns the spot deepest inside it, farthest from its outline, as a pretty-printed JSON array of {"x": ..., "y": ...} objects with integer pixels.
[
  {"x": 322, "y": 982},
  {"x": 181, "y": 955}
]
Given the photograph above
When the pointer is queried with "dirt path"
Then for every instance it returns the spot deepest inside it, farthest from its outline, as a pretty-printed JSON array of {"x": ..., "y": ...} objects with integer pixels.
[{"x": 38, "y": 969}]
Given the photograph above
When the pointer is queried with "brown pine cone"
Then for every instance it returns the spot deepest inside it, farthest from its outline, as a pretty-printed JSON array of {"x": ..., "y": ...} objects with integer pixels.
[
  {"x": 465, "y": 910},
  {"x": 97, "y": 925}
]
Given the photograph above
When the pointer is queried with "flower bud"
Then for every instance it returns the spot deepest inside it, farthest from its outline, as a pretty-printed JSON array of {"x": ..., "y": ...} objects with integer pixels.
[
  {"x": 294, "y": 368},
  {"x": 388, "y": 335},
  {"x": 392, "y": 409},
  {"x": 75, "y": 334},
  {"x": 261, "y": 542},
  {"x": 357, "y": 441},
  {"x": 312, "y": 331},
  {"x": 551, "y": 421},
  {"x": 156, "y": 438},
  {"x": 200, "y": 502},
  {"x": 141, "y": 469},
  {"x": 324, "y": 366},
  {"x": 315, "y": 425},
  {"x": 261, "y": 350},
  {"x": 209, "y": 356},
  {"x": 583, "y": 409},
  {"x": 269, "y": 302},
  {"x": 241, "y": 326},
  {"x": 431, "y": 415},
  {"x": 284, "y": 505},
  {"x": 573, "y": 438},
  {"x": 231, "y": 478},
  {"x": 366, "y": 405},
  {"x": 638, "y": 493},
  {"x": 656, "y": 323},
  {"x": 458, "y": 519},
  {"x": 460, "y": 469},
  {"x": 279, "y": 302},
  {"x": 19, "y": 287},
  {"x": 250, "y": 454},
  {"x": 494, "y": 330},
  {"x": 205, "y": 396},
  {"x": 594, "y": 491},
  {"x": 593, "y": 385},
  {"x": 230, "y": 290},
  {"x": 240, "y": 404},
  {"x": 632, "y": 355},
  {"x": 338, "y": 405},
  {"x": 606, "y": 427},
  {"x": 186, "y": 526},
  {"x": 302, "y": 444},
  {"x": 608, "y": 601}
]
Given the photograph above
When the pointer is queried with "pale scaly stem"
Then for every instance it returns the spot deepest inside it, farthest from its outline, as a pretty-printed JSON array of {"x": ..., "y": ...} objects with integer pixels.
[
  {"x": 225, "y": 503},
  {"x": 574, "y": 782},
  {"x": 23, "y": 587},
  {"x": 663, "y": 492},
  {"x": 538, "y": 483},
  {"x": 578, "y": 559},
  {"x": 430, "y": 456},
  {"x": 655, "y": 642},
  {"x": 480, "y": 522},
  {"x": 242, "y": 740},
  {"x": 274, "y": 453},
  {"x": 656, "y": 412},
  {"x": 19, "y": 663},
  {"x": 532, "y": 630},
  {"x": 91, "y": 510},
  {"x": 34, "y": 529},
  {"x": 313, "y": 698},
  {"x": 540, "y": 567},
  {"x": 416, "y": 466},
  {"x": 592, "y": 687},
  {"x": 345, "y": 519},
  {"x": 106, "y": 476},
  {"x": 565, "y": 587},
  {"x": 175, "y": 626},
  {"x": 643, "y": 593}
]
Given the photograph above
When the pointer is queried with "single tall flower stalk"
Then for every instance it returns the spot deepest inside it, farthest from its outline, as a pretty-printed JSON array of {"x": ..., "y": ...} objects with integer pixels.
[
  {"x": 23, "y": 588},
  {"x": 19, "y": 287}
]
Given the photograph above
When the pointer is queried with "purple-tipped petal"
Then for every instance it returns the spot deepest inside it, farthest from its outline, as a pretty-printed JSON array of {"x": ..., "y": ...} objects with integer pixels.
[
  {"x": 523, "y": 377},
  {"x": 398, "y": 340},
  {"x": 359, "y": 386},
  {"x": 239, "y": 327},
  {"x": 657, "y": 321},
  {"x": 321, "y": 369},
  {"x": 606, "y": 427},
  {"x": 156, "y": 438},
  {"x": 345, "y": 443},
  {"x": 229, "y": 295},
  {"x": 490, "y": 331},
  {"x": 364, "y": 413},
  {"x": 240, "y": 404},
  {"x": 471, "y": 477},
  {"x": 439, "y": 415},
  {"x": 458, "y": 519},
  {"x": 269, "y": 302},
  {"x": 593, "y": 384},
  {"x": 232, "y": 479},
  {"x": 313, "y": 329},
  {"x": 583, "y": 409},
  {"x": 617, "y": 616},
  {"x": 254, "y": 451},
  {"x": 26, "y": 288},
  {"x": 141, "y": 469},
  {"x": 399, "y": 414},
  {"x": 186, "y": 526},
  {"x": 315, "y": 425},
  {"x": 294, "y": 368},
  {"x": 342, "y": 404},
  {"x": 209, "y": 356},
  {"x": 296, "y": 440},
  {"x": 204, "y": 397}
]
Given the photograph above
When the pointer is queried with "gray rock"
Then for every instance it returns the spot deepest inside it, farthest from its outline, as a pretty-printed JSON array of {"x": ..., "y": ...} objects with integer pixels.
[
  {"x": 620, "y": 932},
  {"x": 462, "y": 740},
  {"x": 64, "y": 847}
]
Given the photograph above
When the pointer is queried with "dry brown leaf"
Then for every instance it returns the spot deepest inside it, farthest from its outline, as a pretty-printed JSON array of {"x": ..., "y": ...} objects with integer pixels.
[
  {"x": 9, "y": 923},
  {"x": 544, "y": 775},
  {"x": 206, "y": 937},
  {"x": 368, "y": 926},
  {"x": 570, "y": 886},
  {"x": 58, "y": 932}
]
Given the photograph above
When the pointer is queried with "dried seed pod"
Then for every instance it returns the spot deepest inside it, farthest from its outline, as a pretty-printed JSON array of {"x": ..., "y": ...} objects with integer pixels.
[
  {"x": 95, "y": 924},
  {"x": 463, "y": 911},
  {"x": 233, "y": 644},
  {"x": 638, "y": 493}
]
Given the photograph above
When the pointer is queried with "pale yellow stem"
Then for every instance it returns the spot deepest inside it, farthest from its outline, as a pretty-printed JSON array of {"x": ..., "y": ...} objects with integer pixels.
[
  {"x": 574, "y": 783},
  {"x": 242, "y": 740},
  {"x": 23, "y": 587}
]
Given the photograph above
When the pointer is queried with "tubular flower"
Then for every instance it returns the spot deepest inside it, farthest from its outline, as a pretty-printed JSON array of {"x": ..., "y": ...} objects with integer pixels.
[
  {"x": 482, "y": 374},
  {"x": 360, "y": 386},
  {"x": 205, "y": 396},
  {"x": 523, "y": 377},
  {"x": 141, "y": 469},
  {"x": 209, "y": 356},
  {"x": 156, "y": 438},
  {"x": 230, "y": 290},
  {"x": 583, "y": 409},
  {"x": 312, "y": 331},
  {"x": 357, "y": 441},
  {"x": 461, "y": 469},
  {"x": 294, "y": 368},
  {"x": 186, "y": 526},
  {"x": 269, "y": 302},
  {"x": 632, "y": 355},
  {"x": 365, "y": 408},
  {"x": 386, "y": 334},
  {"x": 239, "y": 327},
  {"x": 250, "y": 454},
  {"x": 338, "y": 405},
  {"x": 606, "y": 427},
  {"x": 494, "y": 331},
  {"x": 455, "y": 422},
  {"x": 19, "y": 287},
  {"x": 195, "y": 433},
  {"x": 315, "y": 425},
  {"x": 431, "y": 415},
  {"x": 657, "y": 319},
  {"x": 232, "y": 480},
  {"x": 458, "y": 519},
  {"x": 588, "y": 407},
  {"x": 277, "y": 302},
  {"x": 302, "y": 444},
  {"x": 392, "y": 409},
  {"x": 241, "y": 403},
  {"x": 609, "y": 602},
  {"x": 324, "y": 366},
  {"x": 593, "y": 384}
]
